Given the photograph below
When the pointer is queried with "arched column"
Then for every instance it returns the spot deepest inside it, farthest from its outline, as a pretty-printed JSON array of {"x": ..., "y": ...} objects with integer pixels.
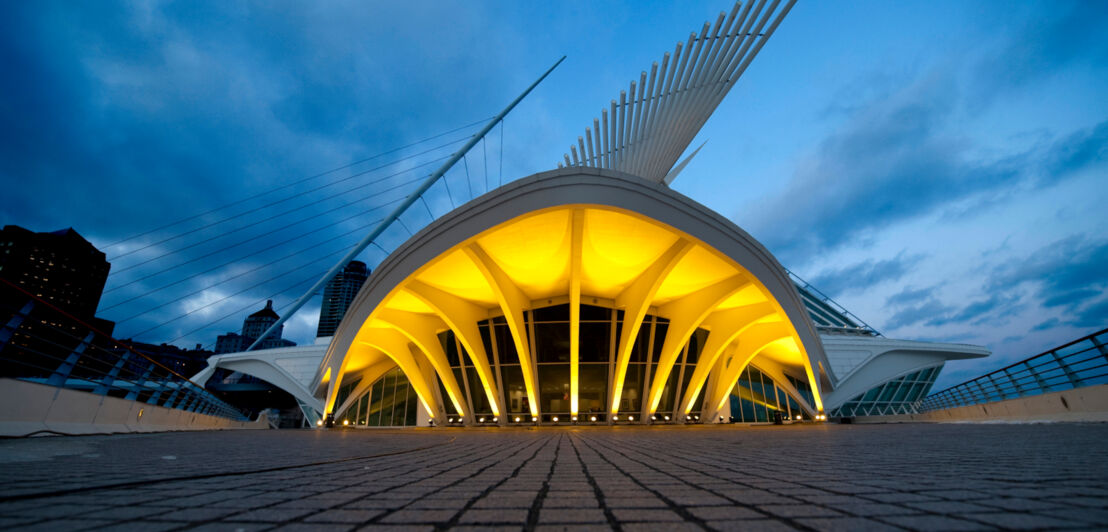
[
  {"x": 751, "y": 342},
  {"x": 395, "y": 345},
  {"x": 636, "y": 300},
  {"x": 723, "y": 326},
  {"x": 423, "y": 330},
  {"x": 685, "y": 315},
  {"x": 513, "y": 303},
  {"x": 369, "y": 376},
  {"x": 462, "y": 317}
]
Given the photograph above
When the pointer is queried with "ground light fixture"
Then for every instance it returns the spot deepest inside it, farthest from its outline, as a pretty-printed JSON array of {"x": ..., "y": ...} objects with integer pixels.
[{"x": 345, "y": 422}]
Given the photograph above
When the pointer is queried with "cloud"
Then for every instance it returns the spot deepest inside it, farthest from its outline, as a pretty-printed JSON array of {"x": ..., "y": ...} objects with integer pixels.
[
  {"x": 913, "y": 314},
  {"x": 1070, "y": 33},
  {"x": 901, "y": 153},
  {"x": 1070, "y": 275},
  {"x": 863, "y": 275},
  {"x": 995, "y": 307},
  {"x": 1046, "y": 325},
  {"x": 909, "y": 296}
]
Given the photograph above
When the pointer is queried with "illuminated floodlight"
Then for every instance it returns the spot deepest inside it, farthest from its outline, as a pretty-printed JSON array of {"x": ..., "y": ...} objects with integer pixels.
[
  {"x": 346, "y": 422},
  {"x": 592, "y": 418},
  {"x": 555, "y": 419},
  {"x": 496, "y": 420},
  {"x": 615, "y": 418},
  {"x": 667, "y": 418},
  {"x": 534, "y": 419},
  {"x": 630, "y": 418},
  {"x": 319, "y": 422},
  {"x": 517, "y": 419},
  {"x": 481, "y": 420}
]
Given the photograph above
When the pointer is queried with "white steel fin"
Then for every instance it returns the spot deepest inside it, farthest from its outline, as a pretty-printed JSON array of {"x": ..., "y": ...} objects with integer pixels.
[{"x": 647, "y": 129}]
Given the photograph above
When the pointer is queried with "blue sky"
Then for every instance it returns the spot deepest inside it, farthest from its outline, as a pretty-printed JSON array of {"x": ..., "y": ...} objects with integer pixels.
[{"x": 939, "y": 168}]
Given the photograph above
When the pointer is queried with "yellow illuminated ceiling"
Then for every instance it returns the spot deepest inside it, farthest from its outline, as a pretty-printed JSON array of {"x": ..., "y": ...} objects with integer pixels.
[{"x": 534, "y": 252}]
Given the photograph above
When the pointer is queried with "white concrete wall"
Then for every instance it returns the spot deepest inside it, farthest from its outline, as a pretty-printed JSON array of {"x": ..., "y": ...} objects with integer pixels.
[
  {"x": 1082, "y": 404},
  {"x": 27, "y": 407}
]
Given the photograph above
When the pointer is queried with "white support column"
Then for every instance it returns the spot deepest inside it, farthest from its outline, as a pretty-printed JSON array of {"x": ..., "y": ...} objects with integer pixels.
[
  {"x": 368, "y": 376},
  {"x": 395, "y": 345},
  {"x": 513, "y": 302},
  {"x": 635, "y": 300},
  {"x": 462, "y": 317},
  {"x": 685, "y": 315},
  {"x": 750, "y": 343},
  {"x": 422, "y": 330},
  {"x": 776, "y": 372},
  {"x": 577, "y": 223},
  {"x": 723, "y": 326}
]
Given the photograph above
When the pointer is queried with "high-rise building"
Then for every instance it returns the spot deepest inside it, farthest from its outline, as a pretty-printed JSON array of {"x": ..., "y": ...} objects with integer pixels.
[
  {"x": 60, "y": 266},
  {"x": 252, "y": 327},
  {"x": 52, "y": 283},
  {"x": 338, "y": 295}
]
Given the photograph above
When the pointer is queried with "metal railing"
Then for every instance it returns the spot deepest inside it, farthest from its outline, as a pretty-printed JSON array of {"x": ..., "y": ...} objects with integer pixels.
[
  {"x": 44, "y": 344},
  {"x": 860, "y": 326},
  {"x": 1083, "y": 362}
]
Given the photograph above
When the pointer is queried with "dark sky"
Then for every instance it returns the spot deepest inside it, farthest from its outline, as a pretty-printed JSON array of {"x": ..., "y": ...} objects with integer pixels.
[{"x": 939, "y": 168}]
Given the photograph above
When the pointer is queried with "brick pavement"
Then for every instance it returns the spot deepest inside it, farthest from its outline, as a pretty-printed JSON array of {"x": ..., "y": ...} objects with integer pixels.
[{"x": 813, "y": 477}]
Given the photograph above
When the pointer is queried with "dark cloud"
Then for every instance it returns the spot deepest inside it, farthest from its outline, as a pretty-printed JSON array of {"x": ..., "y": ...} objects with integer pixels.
[
  {"x": 978, "y": 312},
  {"x": 122, "y": 117},
  {"x": 909, "y": 296},
  {"x": 1070, "y": 275},
  {"x": 901, "y": 153},
  {"x": 1075, "y": 152},
  {"x": 1072, "y": 32},
  {"x": 861, "y": 276},
  {"x": 1046, "y": 325},
  {"x": 913, "y": 314}
]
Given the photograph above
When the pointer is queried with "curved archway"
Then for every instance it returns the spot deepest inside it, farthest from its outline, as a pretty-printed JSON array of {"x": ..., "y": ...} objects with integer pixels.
[{"x": 584, "y": 239}]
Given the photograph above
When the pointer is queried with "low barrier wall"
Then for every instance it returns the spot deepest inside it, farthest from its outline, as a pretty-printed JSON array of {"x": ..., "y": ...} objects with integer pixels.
[
  {"x": 27, "y": 408},
  {"x": 1080, "y": 404}
]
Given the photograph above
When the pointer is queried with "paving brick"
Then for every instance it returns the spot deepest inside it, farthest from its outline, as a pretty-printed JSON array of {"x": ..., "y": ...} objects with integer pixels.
[
  {"x": 720, "y": 513},
  {"x": 571, "y": 516},
  {"x": 864, "y": 476},
  {"x": 1015, "y": 521},
  {"x": 628, "y": 515},
  {"x": 419, "y": 516},
  {"x": 933, "y": 522},
  {"x": 845, "y": 524},
  {"x": 486, "y": 516}
]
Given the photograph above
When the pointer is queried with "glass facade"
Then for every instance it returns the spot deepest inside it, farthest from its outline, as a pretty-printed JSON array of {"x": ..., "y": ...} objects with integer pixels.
[
  {"x": 756, "y": 397},
  {"x": 548, "y": 337},
  {"x": 389, "y": 402},
  {"x": 898, "y": 396}
]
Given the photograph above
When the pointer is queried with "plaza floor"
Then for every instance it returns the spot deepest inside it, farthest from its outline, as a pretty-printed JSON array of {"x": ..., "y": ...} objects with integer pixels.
[{"x": 808, "y": 477}]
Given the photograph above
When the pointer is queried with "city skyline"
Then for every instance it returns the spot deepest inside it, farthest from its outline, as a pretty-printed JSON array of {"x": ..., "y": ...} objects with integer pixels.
[{"x": 948, "y": 159}]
